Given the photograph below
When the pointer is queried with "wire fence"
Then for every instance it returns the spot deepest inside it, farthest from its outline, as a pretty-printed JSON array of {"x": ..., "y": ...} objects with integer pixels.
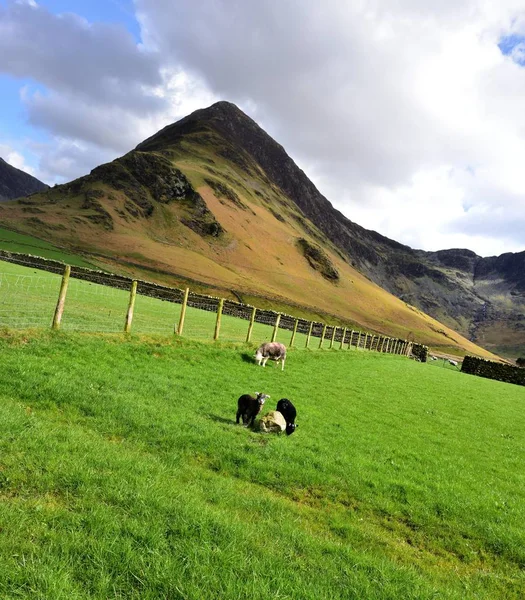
[{"x": 38, "y": 292}]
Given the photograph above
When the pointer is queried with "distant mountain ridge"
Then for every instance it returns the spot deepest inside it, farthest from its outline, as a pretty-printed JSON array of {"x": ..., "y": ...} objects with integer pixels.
[
  {"x": 15, "y": 183},
  {"x": 216, "y": 197}
]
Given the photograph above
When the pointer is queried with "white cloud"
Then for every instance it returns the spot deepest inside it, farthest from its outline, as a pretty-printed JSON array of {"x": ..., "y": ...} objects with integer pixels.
[
  {"x": 15, "y": 158},
  {"x": 92, "y": 87},
  {"x": 404, "y": 112},
  {"x": 378, "y": 100}
]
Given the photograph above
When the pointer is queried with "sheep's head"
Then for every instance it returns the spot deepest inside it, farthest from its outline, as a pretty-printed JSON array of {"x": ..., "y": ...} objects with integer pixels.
[
  {"x": 261, "y": 398},
  {"x": 290, "y": 428}
]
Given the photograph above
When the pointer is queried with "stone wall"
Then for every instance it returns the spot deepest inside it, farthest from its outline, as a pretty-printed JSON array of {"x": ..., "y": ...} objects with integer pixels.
[
  {"x": 420, "y": 352},
  {"x": 493, "y": 370}
]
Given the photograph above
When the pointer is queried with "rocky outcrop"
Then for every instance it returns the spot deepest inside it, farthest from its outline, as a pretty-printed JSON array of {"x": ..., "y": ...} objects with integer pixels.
[{"x": 318, "y": 260}]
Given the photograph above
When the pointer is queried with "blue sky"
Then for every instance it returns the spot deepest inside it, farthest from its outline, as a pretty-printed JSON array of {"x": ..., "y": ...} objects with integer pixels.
[
  {"x": 403, "y": 114},
  {"x": 507, "y": 43},
  {"x": 15, "y": 129}
]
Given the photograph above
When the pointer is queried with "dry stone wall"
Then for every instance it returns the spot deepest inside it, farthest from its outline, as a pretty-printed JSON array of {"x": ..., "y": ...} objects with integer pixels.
[{"x": 493, "y": 370}]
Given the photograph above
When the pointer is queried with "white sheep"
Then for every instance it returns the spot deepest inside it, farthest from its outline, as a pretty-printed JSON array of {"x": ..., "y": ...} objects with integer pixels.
[{"x": 271, "y": 350}]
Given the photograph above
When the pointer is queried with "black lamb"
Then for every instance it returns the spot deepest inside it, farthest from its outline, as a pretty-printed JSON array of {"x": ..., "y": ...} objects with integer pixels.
[
  {"x": 249, "y": 407},
  {"x": 287, "y": 409}
]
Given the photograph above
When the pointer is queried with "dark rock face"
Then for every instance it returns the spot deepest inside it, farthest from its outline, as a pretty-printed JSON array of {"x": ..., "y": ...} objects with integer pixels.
[
  {"x": 318, "y": 260},
  {"x": 464, "y": 260},
  {"x": 145, "y": 178},
  {"x": 15, "y": 183}
]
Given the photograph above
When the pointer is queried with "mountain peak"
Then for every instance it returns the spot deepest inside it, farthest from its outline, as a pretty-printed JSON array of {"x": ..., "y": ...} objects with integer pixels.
[
  {"x": 15, "y": 183},
  {"x": 223, "y": 116}
]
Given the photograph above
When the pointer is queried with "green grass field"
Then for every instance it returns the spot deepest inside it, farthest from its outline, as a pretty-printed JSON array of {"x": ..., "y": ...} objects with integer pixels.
[
  {"x": 27, "y": 244},
  {"x": 123, "y": 475},
  {"x": 28, "y": 298}
]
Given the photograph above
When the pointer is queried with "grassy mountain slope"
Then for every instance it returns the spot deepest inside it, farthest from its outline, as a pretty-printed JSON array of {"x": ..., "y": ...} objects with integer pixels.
[
  {"x": 482, "y": 298},
  {"x": 192, "y": 202}
]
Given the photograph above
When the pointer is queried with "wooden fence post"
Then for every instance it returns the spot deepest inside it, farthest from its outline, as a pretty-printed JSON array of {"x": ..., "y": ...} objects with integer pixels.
[
  {"x": 250, "y": 326},
  {"x": 366, "y": 340},
  {"x": 131, "y": 306},
  {"x": 276, "y": 327},
  {"x": 343, "y": 339},
  {"x": 333, "y": 337},
  {"x": 57, "y": 318},
  {"x": 180, "y": 327},
  {"x": 322, "y": 336},
  {"x": 350, "y": 339},
  {"x": 292, "y": 339},
  {"x": 218, "y": 322},
  {"x": 309, "y": 335}
]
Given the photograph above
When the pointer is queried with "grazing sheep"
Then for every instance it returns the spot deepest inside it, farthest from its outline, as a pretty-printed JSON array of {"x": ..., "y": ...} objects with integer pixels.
[
  {"x": 271, "y": 350},
  {"x": 287, "y": 409},
  {"x": 249, "y": 407},
  {"x": 454, "y": 363}
]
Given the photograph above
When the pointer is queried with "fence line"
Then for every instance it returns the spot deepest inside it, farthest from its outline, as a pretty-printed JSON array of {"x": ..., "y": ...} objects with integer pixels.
[{"x": 327, "y": 334}]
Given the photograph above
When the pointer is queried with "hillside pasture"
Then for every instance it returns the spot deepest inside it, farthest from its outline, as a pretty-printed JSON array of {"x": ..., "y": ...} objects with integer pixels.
[
  {"x": 28, "y": 298},
  {"x": 28, "y": 244},
  {"x": 123, "y": 475}
]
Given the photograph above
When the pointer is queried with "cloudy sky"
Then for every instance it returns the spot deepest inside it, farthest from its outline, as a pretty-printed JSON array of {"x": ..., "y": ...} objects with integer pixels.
[{"x": 409, "y": 115}]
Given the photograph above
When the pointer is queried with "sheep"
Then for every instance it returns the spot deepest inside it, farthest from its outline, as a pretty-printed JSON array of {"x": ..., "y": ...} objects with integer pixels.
[
  {"x": 454, "y": 363},
  {"x": 249, "y": 407},
  {"x": 287, "y": 409},
  {"x": 271, "y": 350}
]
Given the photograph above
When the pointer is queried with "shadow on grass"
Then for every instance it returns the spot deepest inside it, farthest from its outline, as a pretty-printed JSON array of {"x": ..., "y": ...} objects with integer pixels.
[
  {"x": 247, "y": 358},
  {"x": 219, "y": 419}
]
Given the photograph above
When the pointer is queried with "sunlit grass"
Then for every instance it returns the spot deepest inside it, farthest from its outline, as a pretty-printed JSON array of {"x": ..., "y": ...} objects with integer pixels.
[
  {"x": 28, "y": 298},
  {"x": 28, "y": 244},
  {"x": 122, "y": 475}
]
